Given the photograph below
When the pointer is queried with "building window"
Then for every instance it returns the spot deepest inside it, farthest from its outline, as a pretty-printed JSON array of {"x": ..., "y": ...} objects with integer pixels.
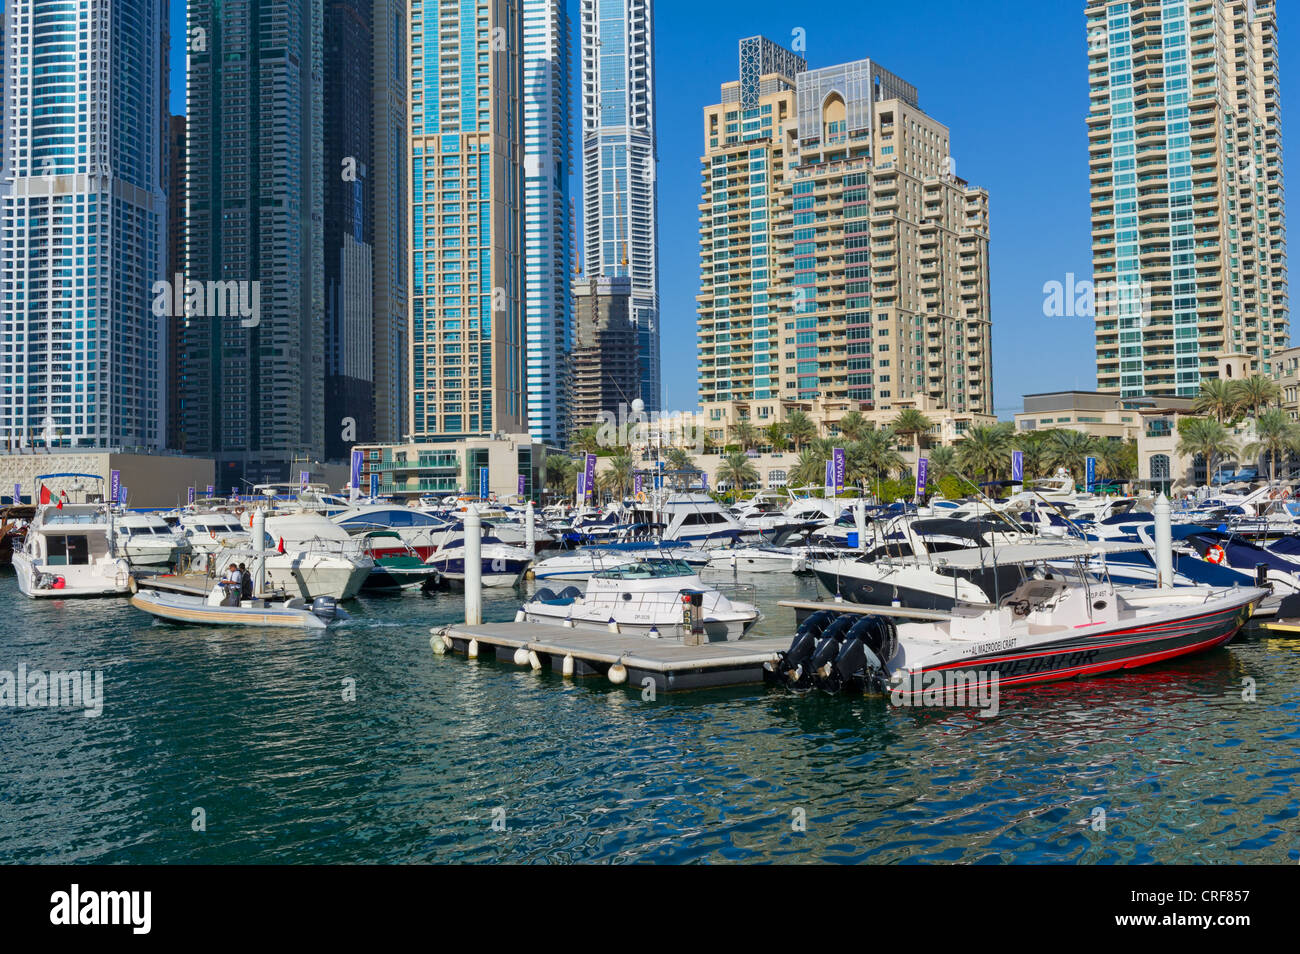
[{"x": 1159, "y": 466}]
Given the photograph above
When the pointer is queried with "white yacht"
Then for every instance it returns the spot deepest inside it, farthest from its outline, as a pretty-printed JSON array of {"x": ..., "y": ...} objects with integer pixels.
[
  {"x": 651, "y": 598},
  {"x": 146, "y": 539},
  {"x": 68, "y": 552},
  {"x": 210, "y": 531},
  {"x": 307, "y": 553}
]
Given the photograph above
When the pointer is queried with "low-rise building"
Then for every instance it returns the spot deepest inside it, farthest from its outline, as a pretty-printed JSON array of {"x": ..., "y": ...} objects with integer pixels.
[
  {"x": 446, "y": 468},
  {"x": 152, "y": 480},
  {"x": 1101, "y": 415}
]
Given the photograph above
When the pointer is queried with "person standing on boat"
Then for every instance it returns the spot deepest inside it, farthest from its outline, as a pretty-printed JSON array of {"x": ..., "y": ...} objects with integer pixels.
[
  {"x": 245, "y": 583},
  {"x": 233, "y": 585}
]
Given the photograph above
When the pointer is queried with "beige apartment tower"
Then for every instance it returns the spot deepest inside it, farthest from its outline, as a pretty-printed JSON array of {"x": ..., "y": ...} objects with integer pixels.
[
  {"x": 1185, "y": 165},
  {"x": 844, "y": 265}
]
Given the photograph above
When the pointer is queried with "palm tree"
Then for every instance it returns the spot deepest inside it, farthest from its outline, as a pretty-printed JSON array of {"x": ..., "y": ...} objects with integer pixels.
[
  {"x": 1257, "y": 392},
  {"x": 620, "y": 470},
  {"x": 943, "y": 461},
  {"x": 560, "y": 470},
  {"x": 1218, "y": 399},
  {"x": 1204, "y": 437},
  {"x": 809, "y": 470},
  {"x": 585, "y": 440},
  {"x": 1275, "y": 434},
  {"x": 1118, "y": 459},
  {"x": 746, "y": 434},
  {"x": 852, "y": 425},
  {"x": 679, "y": 459},
  {"x": 737, "y": 471},
  {"x": 875, "y": 456},
  {"x": 912, "y": 423},
  {"x": 985, "y": 450},
  {"x": 800, "y": 429},
  {"x": 1034, "y": 453},
  {"x": 1070, "y": 449},
  {"x": 776, "y": 436}
]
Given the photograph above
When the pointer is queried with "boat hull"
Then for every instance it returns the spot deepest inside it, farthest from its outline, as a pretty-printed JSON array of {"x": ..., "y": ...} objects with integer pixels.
[
  {"x": 1115, "y": 649},
  {"x": 196, "y": 612}
]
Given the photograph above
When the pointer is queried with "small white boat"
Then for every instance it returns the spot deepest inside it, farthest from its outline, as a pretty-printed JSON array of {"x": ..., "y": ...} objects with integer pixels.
[
  {"x": 656, "y": 598},
  {"x": 292, "y": 612},
  {"x": 760, "y": 559}
]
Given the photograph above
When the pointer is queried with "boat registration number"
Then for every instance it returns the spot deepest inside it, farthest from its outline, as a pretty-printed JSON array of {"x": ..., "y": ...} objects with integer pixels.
[{"x": 995, "y": 646}]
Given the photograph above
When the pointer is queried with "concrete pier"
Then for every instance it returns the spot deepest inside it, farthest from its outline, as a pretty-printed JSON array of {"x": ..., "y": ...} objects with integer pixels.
[{"x": 669, "y": 663}]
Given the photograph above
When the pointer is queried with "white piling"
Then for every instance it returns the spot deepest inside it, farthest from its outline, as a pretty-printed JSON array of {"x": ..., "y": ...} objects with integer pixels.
[
  {"x": 530, "y": 528},
  {"x": 473, "y": 568},
  {"x": 259, "y": 551},
  {"x": 1164, "y": 543},
  {"x": 860, "y": 523}
]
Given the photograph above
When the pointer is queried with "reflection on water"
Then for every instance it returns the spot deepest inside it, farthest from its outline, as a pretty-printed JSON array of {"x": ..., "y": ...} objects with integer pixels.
[{"x": 254, "y": 728}]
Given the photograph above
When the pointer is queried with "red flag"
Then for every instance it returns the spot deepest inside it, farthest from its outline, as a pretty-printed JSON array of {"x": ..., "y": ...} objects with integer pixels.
[
  {"x": 59, "y": 505},
  {"x": 45, "y": 494},
  {"x": 280, "y": 548}
]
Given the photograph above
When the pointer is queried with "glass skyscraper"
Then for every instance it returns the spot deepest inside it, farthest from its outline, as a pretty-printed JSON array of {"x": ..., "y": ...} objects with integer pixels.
[
  {"x": 548, "y": 153},
  {"x": 1185, "y": 161},
  {"x": 467, "y": 218},
  {"x": 253, "y": 386},
  {"x": 84, "y": 224},
  {"x": 620, "y": 205}
]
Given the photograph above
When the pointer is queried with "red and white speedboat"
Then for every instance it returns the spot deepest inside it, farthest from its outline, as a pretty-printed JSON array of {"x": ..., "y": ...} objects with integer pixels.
[{"x": 1052, "y": 626}]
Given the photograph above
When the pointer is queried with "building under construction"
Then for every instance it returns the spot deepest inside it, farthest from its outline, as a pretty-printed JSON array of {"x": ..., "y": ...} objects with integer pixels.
[{"x": 605, "y": 365}]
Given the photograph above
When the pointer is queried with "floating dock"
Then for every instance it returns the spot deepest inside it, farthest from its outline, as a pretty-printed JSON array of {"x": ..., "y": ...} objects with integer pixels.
[{"x": 669, "y": 662}]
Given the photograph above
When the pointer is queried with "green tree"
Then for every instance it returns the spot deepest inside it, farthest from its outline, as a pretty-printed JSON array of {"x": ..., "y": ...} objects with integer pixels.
[
  {"x": 943, "y": 462},
  {"x": 776, "y": 436},
  {"x": 746, "y": 434},
  {"x": 585, "y": 440},
  {"x": 1275, "y": 435},
  {"x": 1205, "y": 437},
  {"x": 1118, "y": 460},
  {"x": 1218, "y": 399},
  {"x": 737, "y": 471},
  {"x": 985, "y": 451},
  {"x": 679, "y": 458},
  {"x": 619, "y": 472},
  {"x": 853, "y": 425},
  {"x": 874, "y": 458},
  {"x": 913, "y": 424},
  {"x": 1070, "y": 449},
  {"x": 1256, "y": 393},
  {"x": 800, "y": 429}
]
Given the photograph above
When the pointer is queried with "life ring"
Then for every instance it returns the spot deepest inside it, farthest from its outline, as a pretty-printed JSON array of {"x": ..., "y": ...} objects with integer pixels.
[
  {"x": 212, "y": 532},
  {"x": 1215, "y": 554}
]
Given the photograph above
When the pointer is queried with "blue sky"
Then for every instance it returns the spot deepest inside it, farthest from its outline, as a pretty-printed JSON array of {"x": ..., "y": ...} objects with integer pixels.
[{"x": 1009, "y": 79}]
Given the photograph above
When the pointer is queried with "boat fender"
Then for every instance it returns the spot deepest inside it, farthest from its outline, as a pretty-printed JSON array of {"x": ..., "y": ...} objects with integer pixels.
[
  {"x": 534, "y": 660},
  {"x": 436, "y": 644},
  {"x": 612, "y": 625},
  {"x": 567, "y": 668},
  {"x": 472, "y": 650},
  {"x": 520, "y": 616},
  {"x": 618, "y": 674},
  {"x": 521, "y": 656}
]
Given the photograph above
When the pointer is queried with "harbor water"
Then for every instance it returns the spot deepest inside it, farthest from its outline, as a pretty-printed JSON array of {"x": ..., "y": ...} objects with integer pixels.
[{"x": 358, "y": 744}]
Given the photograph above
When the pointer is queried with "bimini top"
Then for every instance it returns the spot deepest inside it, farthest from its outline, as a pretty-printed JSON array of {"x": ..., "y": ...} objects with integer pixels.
[{"x": 973, "y": 558}]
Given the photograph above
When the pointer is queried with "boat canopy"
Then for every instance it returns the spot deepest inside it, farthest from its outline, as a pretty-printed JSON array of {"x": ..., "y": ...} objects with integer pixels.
[{"x": 974, "y": 558}]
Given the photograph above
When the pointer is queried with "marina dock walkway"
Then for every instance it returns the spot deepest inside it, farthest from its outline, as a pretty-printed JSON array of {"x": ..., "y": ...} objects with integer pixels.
[{"x": 670, "y": 663}]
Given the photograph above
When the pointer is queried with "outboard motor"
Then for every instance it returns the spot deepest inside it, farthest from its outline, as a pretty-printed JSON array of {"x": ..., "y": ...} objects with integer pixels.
[
  {"x": 791, "y": 665},
  {"x": 828, "y": 647},
  {"x": 861, "y": 662},
  {"x": 325, "y": 607}
]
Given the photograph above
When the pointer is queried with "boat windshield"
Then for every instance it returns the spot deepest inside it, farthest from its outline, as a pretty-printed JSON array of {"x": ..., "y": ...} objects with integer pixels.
[{"x": 647, "y": 570}]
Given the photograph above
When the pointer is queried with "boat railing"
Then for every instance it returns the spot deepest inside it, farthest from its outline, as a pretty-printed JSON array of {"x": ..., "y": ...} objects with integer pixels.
[{"x": 744, "y": 592}]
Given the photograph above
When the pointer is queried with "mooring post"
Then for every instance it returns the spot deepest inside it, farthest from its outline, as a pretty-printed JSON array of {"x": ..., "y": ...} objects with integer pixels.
[
  {"x": 860, "y": 523},
  {"x": 1164, "y": 543},
  {"x": 259, "y": 552},
  {"x": 473, "y": 567},
  {"x": 530, "y": 528}
]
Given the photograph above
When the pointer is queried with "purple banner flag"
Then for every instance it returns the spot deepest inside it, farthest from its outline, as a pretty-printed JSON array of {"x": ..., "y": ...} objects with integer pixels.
[
  {"x": 191, "y": 495},
  {"x": 589, "y": 485},
  {"x": 18, "y": 493},
  {"x": 211, "y": 490},
  {"x": 122, "y": 491},
  {"x": 922, "y": 471},
  {"x": 838, "y": 461},
  {"x": 637, "y": 483},
  {"x": 356, "y": 470},
  {"x": 828, "y": 481},
  {"x": 1017, "y": 466},
  {"x": 115, "y": 477},
  {"x": 521, "y": 485}
]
